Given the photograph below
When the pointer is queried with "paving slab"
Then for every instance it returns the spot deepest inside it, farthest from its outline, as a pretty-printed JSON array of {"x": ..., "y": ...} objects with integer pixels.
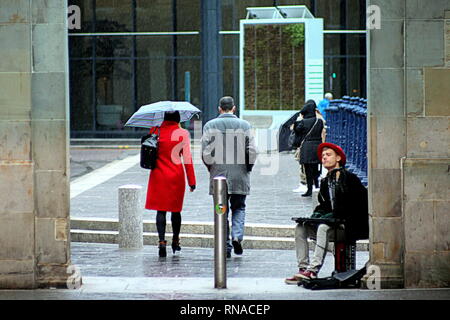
[{"x": 110, "y": 273}]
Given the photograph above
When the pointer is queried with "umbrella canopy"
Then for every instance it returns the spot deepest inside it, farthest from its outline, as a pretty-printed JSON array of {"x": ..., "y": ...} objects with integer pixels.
[
  {"x": 285, "y": 131},
  {"x": 152, "y": 115}
]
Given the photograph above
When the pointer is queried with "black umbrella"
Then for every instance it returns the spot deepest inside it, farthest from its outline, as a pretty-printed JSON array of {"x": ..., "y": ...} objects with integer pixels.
[{"x": 285, "y": 131}]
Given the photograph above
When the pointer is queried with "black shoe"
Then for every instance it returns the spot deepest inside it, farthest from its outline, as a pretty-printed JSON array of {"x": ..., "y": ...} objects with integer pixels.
[
  {"x": 307, "y": 194},
  {"x": 162, "y": 249},
  {"x": 176, "y": 245},
  {"x": 237, "y": 247}
]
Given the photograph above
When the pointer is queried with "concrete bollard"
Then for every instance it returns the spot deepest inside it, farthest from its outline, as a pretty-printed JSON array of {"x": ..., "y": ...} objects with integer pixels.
[{"x": 130, "y": 217}]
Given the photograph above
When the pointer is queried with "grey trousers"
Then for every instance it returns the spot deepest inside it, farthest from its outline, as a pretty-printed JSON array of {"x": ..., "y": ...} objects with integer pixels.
[{"x": 323, "y": 234}]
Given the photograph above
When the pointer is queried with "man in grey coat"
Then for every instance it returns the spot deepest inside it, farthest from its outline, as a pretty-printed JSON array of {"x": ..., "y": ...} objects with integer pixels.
[{"x": 228, "y": 150}]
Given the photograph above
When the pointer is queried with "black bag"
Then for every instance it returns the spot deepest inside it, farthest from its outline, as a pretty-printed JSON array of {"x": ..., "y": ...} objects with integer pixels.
[
  {"x": 320, "y": 283},
  {"x": 294, "y": 140},
  {"x": 348, "y": 279},
  {"x": 149, "y": 150}
]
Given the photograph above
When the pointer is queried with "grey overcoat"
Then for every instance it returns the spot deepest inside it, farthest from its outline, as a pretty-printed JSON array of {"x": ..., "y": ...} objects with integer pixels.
[{"x": 228, "y": 149}]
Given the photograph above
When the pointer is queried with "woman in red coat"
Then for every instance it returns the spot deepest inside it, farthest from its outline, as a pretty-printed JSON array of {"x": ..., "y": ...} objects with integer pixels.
[{"x": 167, "y": 182}]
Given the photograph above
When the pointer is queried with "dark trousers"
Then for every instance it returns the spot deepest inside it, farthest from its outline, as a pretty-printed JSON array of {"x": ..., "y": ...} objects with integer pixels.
[
  {"x": 312, "y": 174},
  {"x": 237, "y": 206},
  {"x": 161, "y": 224}
]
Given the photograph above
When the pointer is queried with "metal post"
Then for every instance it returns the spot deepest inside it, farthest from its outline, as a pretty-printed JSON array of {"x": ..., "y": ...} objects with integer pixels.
[{"x": 220, "y": 231}]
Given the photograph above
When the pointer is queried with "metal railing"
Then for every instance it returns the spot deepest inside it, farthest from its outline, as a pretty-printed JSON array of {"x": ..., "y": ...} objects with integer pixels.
[{"x": 347, "y": 127}]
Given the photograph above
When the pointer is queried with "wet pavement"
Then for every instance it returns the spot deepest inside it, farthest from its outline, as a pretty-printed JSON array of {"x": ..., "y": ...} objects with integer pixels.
[
  {"x": 112, "y": 273},
  {"x": 271, "y": 200}
]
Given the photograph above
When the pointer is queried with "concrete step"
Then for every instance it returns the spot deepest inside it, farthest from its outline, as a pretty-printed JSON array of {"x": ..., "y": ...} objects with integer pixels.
[
  {"x": 194, "y": 234},
  {"x": 190, "y": 227}
]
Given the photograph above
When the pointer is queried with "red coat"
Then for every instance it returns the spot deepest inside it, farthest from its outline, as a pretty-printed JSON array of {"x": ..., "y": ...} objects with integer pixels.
[{"x": 167, "y": 182}]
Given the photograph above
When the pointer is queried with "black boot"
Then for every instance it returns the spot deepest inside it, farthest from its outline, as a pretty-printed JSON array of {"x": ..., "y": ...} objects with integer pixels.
[
  {"x": 308, "y": 193},
  {"x": 162, "y": 249},
  {"x": 176, "y": 245}
]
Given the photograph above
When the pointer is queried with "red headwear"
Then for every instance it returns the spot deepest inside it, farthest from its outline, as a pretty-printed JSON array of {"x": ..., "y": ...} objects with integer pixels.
[{"x": 336, "y": 148}]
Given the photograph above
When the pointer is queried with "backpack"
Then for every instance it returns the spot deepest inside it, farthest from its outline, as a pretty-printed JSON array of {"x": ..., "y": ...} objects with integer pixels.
[{"x": 149, "y": 149}]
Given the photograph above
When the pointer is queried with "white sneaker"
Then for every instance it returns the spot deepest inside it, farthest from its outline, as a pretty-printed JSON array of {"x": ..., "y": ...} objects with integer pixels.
[{"x": 301, "y": 188}]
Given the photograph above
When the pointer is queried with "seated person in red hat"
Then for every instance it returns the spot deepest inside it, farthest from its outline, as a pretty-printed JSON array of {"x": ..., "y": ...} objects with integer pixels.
[{"x": 341, "y": 196}]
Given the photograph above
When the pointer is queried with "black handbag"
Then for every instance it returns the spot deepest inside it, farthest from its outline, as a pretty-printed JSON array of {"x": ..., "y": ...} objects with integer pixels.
[
  {"x": 149, "y": 149},
  {"x": 294, "y": 140}
]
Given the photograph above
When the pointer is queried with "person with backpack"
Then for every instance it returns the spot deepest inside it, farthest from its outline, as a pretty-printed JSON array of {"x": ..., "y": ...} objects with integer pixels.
[
  {"x": 167, "y": 181},
  {"x": 342, "y": 196}
]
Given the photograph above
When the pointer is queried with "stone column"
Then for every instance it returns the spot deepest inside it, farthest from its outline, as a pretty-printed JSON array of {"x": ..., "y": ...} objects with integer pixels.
[
  {"x": 34, "y": 148},
  {"x": 408, "y": 139}
]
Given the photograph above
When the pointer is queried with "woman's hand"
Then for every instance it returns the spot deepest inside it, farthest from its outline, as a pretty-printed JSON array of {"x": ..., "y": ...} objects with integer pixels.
[{"x": 192, "y": 188}]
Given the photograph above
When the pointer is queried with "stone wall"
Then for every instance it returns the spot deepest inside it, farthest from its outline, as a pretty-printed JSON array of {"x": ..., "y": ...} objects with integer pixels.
[
  {"x": 409, "y": 156},
  {"x": 34, "y": 162}
]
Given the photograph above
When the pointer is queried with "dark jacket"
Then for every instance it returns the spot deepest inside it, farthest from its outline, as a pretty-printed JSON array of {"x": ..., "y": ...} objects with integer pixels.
[
  {"x": 351, "y": 204},
  {"x": 308, "y": 150}
]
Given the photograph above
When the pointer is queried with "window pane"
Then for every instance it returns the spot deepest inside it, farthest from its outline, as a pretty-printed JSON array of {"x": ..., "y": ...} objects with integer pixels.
[
  {"x": 156, "y": 46},
  {"x": 81, "y": 94},
  {"x": 154, "y": 80},
  {"x": 154, "y": 16},
  {"x": 113, "y": 46},
  {"x": 80, "y": 47},
  {"x": 114, "y": 88},
  {"x": 188, "y": 15},
  {"x": 193, "y": 67},
  {"x": 230, "y": 45},
  {"x": 349, "y": 76},
  {"x": 345, "y": 58},
  {"x": 343, "y": 14},
  {"x": 345, "y": 44},
  {"x": 231, "y": 78},
  {"x": 188, "y": 45},
  {"x": 113, "y": 16},
  {"x": 171, "y": 46}
]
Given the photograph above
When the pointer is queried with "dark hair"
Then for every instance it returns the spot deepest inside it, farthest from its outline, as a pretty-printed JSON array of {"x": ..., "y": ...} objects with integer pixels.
[
  {"x": 309, "y": 109},
  {"x": 226, "y": 103},
  {"x": 311, "y": 102},
  {"x": 172, "y": 116}
]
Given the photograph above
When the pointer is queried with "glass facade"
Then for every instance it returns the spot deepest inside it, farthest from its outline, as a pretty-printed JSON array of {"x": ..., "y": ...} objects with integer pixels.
[{"x": 133, "y": 52}]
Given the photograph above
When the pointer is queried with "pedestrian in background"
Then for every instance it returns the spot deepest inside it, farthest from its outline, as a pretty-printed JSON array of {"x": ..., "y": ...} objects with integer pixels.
[
  {"x": 228, "y": 150},
  {"x": 302, "y": 184},
  {"x": 310, "y": 130},
  {"x": 167, "y": 181},
  {"x": 324, "y": 104}
]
